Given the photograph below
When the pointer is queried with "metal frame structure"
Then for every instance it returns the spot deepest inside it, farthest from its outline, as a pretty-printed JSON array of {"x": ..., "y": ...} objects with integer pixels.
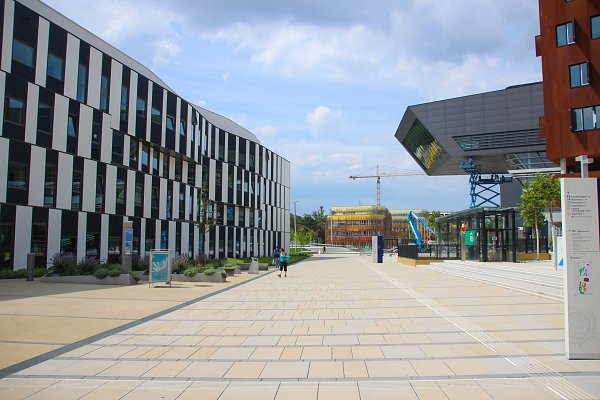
[
  {"x": 413, "y": 221},
  {"x": 483, "y": 190}
]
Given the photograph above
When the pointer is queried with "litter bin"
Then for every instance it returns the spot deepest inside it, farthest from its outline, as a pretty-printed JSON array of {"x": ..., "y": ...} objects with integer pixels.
[{"x": 253, "y": 266}]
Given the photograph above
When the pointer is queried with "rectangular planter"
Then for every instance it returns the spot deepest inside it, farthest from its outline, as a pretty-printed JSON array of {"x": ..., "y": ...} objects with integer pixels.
[
  {"x": 216, "y": 278},
  {"x": 123, "y": 279}
]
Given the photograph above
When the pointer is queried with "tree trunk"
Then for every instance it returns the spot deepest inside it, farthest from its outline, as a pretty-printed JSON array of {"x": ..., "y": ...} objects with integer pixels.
[
  {"x": 537, "y": 240},
  {"x": 555, "y": 261}
]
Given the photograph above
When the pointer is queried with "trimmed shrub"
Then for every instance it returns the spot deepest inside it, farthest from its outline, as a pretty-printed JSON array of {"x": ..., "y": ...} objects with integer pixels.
[
  {"x": 216, "y": 263},
  {"x": 224, "y": 274},
  {"x": 115, "y": 270},
  {"x": 179, "y": 264},
  {"x": 201, "y": 260},
  {"x": 140, "y": 263},
  {"x": 39, "y": 272},
  {"x": 64, "y": 264},
  {"x": 88, "y": 265},
  {"x": 190, "y": 271},
  {"x": 101, "y": 273},
  {"x": 210, "y": 271},
  {"x": 136, "y": 277}
]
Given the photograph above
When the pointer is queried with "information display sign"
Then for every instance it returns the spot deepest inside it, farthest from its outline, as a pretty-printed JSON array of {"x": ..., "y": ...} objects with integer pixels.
[
  {"x": 471, "y": 237},
  {"x": 581, "y": 236},
  {"x": 160, "y": 266}
]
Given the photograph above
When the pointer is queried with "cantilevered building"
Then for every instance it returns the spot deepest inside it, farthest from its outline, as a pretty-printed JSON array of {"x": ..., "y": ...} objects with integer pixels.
[{"x": 91, "y": 138}]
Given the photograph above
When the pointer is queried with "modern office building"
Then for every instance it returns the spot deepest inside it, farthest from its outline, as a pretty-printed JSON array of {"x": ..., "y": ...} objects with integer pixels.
[
  {"x": 356, "y": 225},
  {"x": 569, "y": 44},
  {"x": 399, "y": 220},
  {"x": 90, "y": 138},
  {"x": 498, "y": 130}
]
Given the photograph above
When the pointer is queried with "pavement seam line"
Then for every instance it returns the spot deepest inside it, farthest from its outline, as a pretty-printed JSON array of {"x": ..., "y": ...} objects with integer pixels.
[{"x": 529, "y": 365}]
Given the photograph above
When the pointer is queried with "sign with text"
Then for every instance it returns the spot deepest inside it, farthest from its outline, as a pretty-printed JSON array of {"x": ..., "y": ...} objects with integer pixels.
[
  {"x": 471, "y": 237},
  {"x": 160, "y": 266},
  {"x": 581, "y": 237}
]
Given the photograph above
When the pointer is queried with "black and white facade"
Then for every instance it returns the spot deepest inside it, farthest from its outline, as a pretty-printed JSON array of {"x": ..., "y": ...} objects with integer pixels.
[{"x": 90, "y": 138}]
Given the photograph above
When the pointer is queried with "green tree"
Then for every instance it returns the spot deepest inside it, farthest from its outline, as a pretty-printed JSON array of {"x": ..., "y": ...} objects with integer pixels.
[
  {"x": 547, "y": 188},
  {"x": 532, "y": 206},
  {"x": 432, "y": 217}
]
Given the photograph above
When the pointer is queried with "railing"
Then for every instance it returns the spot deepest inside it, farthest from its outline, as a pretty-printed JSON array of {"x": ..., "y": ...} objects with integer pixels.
[{"x": 432, "y": 251}]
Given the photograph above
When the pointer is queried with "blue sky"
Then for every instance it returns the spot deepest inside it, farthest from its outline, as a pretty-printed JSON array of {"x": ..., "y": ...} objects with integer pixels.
[{"x": 325, "y": 84}]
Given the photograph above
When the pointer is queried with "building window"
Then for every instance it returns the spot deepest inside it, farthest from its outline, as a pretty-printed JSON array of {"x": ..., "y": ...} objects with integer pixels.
[
  {"x": 170, "y": 121},
  {"x": 145, "y": 156},
  {"x": 191, "y": 180},
  {"x": 154, "y": 199},
  {"x": 165, "y": 163},
  {"x": 120, "y": 193},
  {"x": 218, "y": 176},
  {"x": 133, "y": 153},
  {"x": 124, "y": 102},
  {"x": 38, "y": 238},
  {"x": 139, "y": 194},
  {"x": 50, "y": 186},
  {"x": 230, "y": 180},
  {"x": 181, "y": 204},
  {"x": 565, "y": 34},
  {"x": 140, "y": 107},
  {"x": 14, "y": 110},
  {"x": 44, "y": 118},
  {"x": 169, "y": 203},
  {"x": 76, "y": 190},
  {"x": 96, "y": 135},
  {"x": 156, "y": 116},
  {"x": 23, "y": 53},
  {"x": 17, "y": 176},
  {"x": 82, "y": 74},
  {"x": 579, "y": 75},
  {"x": 55, "y": 66},
  {"x": 595, "y": 26},
  {"x": 583, "y": 119},
  {"x": 155, "y": 162},
  {"x": 99, "y": 193},
  {"x": 72, "y": 126},
  {"x": 178, "y": 169},
  {"x": 242, "y": 217},
  {"x": 182, "y": 128},
  {"x": 117, "y": 145},
  {"x": 104, "y": 93}
]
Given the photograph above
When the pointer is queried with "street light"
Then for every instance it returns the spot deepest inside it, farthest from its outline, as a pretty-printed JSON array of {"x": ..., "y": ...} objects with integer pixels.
[{"x": 295, "y": 233}]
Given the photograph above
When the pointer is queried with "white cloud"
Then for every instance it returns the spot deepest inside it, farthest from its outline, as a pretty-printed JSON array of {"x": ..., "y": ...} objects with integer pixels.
[
  {"x": 165, "y": 51},
  {"x": 267, "y": 130},
  {"x": 200, "y": 102},
  {"x": 322, "y": 119},
  {"x": 225, "y": 77}
]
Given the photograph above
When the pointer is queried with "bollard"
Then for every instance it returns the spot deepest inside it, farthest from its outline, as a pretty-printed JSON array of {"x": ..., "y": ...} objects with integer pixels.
[{"x": 30, "y": 266}]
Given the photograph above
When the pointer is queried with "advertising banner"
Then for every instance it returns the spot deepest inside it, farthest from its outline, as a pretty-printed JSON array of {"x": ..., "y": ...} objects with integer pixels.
[
  {"x": 160, "y": 266},
  {"x": 581, "y": 237}
]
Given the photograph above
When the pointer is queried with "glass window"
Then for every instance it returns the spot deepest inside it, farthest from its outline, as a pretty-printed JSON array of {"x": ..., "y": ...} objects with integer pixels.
[
  {"x": 423, "y": 145},
  {"x": 155, "y": 162},
  {"x": 76, "y": 190},
  {"x": 104, "y": 93},
  {"x": 577, "y": 119},
  {"x": 230, "y": 214},
  {"x": 191, "y": 180},
  {"x": 182, "y": 127},
  {"x": 120, "y": 194},
  {"x": 145, "y": 155},
  {"x": 597, "y": 112},
  {"x": 44, "y": 118},
  {"x": 588, "y": 118},
  {"x": 82, "y": 73},
  {"x": 139, "y": 194},
  {"x": 169, "y": 203},
  {"x": 177, "y": 169},
  {"x": 251, "y": 162},
  {"x": 23, "y": 53},
  {"x": 564, "y": 34},
  {"x": 595, "y": 26},
  {"x": 17, "y": 176},
  {"x": 133, "y": 153},
  {"x": 55, "y": 66},
  {"x": 14, "y": 110},
  {"x": 96, "y": 135},
  {"x": 579, "y": 75},
  {"x": 99, "y": 193},
  {"x": 140, "y": 107},
  {"x": 154, "y": 199},
  {"x": 38, "y": 238},
  {"x": 170, "y": 122},
  {"x": 124, "y": 102},
  {"x": 181, "y": 204},
  {"x": 50, "y": 186},
  {"x": 218, "y": 176},
  {"x": 242, "y": 217},
  {"x": 72, "y": 126},
  {"x": 230, "y": 180},
  {"x": 165, "y": 163},
  {"x": 156, "y": 116},
  {"x": 117, "y": 144}
]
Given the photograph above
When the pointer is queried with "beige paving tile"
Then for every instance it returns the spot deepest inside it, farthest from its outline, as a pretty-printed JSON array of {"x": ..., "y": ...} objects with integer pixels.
[
  {"x": 515, "y": 389},
  {"x": 338, "y": 390},
  {"x": 112, "y": 390},
  {"x": 355, "y": 369},
  {"x": 232, "y": 353},
  {"x": 428, "y": 390},
  {"x": 245, "y": 370},
  {"x": 203, "y": 353},
  {"x": 138, "y": 352},
  {"x": 316, "y": 353},
  {"x": 231, "y": 340},
  {"x": 188, "y": 341},
  {"x": 287, "y": 341},
  {"x": 204, "y": 391},
  {"x": 390, "y": 369},
  {"x": 250, "y": 391},
  {"x": 17, "y": 389},
  {"x": 291, "y": 353},
  {"x": 456, "y": 390},
  {"x": 87, "y": 367},
  {"x": 366, "y": 352},
  {"x": 49, "y": 367},
  {"x": 266, "y": 353},
  {"x": 316, "y": 340},
  {"x": 205, "y": 369},
  {"x": 67, "y": 390},
  {"x": 466, "y": 367},
  {"x": 297, "y": 391},
  {"x": 167, "y": 369},
  {"x": 341, "y": 352},
  {"x": 386, "y": 390},
  {"x": 326, "y": 369},
  {"x": 109, "y": 352},
  {"x": 371, "y": 339},
  {"x": 261, "y": 341},
  {"x": 286, "y": 369},
  {"x": 437, "y": 350},
  {"x": 128, "y": 369},
  {"x": 157, "y": 390},
  {"x": 178, "y": 353},
  {"x": 340, "y": 340},
  {"x": 432, "y": 368},
  {"x": 156, "y": 352},
  {"x": 81, "y": 351}
]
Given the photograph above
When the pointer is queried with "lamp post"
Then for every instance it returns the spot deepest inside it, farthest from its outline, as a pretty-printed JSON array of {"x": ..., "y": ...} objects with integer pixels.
[{"x": 295, "y": 233}]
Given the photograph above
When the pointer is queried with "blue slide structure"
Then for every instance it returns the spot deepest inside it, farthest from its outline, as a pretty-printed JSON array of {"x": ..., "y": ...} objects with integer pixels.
[{"x": 413, "y": 221}]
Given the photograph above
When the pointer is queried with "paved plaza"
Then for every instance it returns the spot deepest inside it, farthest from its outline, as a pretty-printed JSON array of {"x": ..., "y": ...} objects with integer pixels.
[{"x": 337, "y": 327}]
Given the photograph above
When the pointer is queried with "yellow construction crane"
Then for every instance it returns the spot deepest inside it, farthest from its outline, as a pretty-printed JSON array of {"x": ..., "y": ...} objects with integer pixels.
[{"x": 384, "y": 175}]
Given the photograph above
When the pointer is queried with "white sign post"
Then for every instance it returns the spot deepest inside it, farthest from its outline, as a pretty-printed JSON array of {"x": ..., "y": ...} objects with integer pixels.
[{"x": 581, "y": 235}]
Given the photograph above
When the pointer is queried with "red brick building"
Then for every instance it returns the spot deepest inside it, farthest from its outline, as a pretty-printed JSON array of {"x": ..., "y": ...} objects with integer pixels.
[{"x": 569, "y": 44}]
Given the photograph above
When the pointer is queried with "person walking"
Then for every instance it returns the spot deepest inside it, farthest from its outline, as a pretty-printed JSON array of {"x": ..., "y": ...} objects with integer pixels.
[
  {"x": 283, "y": 262},
  {"x": 276, "y": 259}
]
